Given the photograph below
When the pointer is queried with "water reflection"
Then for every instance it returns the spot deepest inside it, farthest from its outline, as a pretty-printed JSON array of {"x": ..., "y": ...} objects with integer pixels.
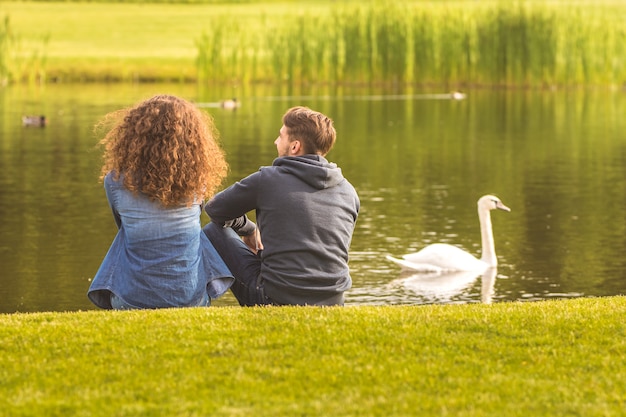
[
  {"x": 444, "y": 286},
  {"x": 557, "y": 158},
  {"x": 487, "y": 287}
]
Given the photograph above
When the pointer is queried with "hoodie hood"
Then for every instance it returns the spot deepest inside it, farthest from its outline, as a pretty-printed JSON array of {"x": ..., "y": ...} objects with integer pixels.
[{"x": 314, "y": 170}]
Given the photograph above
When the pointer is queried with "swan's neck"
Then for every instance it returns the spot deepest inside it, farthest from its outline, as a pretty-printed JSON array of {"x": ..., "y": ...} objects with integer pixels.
[{"x": 488, "y": 255}]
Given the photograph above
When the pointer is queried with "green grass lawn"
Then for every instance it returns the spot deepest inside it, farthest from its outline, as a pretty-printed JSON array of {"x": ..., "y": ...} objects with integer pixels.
[{"x": 557, "y": 358}]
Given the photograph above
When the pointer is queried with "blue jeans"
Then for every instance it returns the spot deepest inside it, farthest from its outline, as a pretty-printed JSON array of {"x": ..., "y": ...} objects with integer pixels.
[
  {"x": 244, "y": 264},
  {"x": 118, "y": 304}
]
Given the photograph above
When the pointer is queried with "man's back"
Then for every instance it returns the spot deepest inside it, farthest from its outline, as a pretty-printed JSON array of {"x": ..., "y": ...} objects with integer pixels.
[{"x": 306, "y": 213}]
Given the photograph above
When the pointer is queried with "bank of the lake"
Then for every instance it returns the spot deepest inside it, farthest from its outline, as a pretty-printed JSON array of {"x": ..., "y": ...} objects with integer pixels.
[
  {"x": 516, "y": 359},
  {"x": 459, "y": 43}
]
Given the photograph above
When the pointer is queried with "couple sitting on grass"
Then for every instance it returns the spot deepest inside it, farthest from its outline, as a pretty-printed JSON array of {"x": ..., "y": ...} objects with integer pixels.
[{"x": 162, "y": 160}]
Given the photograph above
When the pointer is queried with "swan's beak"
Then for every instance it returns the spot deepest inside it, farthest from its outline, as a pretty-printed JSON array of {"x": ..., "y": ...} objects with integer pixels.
[{"x": 501, "y": 206}]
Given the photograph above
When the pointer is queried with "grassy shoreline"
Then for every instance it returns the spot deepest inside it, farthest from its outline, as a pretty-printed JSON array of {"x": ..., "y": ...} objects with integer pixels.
[
  {"x": 524, "y": 44},
  {"x": 516, "y": 359}
]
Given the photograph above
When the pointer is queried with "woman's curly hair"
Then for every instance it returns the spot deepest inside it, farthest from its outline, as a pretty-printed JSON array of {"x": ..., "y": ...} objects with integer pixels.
[{"x": 165, "y": 148}]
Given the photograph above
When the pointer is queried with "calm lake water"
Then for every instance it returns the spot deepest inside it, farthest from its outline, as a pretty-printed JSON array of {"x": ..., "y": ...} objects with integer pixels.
[{"x": 419, "y": 163}]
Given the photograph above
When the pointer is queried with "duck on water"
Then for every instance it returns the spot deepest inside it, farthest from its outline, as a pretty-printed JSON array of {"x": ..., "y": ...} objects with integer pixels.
[{"x": 34, "y": 121}]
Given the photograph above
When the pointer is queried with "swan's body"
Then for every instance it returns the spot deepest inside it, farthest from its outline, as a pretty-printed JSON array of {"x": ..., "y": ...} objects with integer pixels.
[{"x": 441, "y": 257}]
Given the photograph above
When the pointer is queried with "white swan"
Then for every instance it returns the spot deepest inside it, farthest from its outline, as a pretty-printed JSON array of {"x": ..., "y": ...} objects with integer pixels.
[{"x": 440, "y": 257}]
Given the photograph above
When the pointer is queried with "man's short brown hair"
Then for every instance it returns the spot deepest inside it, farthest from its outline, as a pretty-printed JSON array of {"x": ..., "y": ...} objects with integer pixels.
[{"x": 312, "y": 128}]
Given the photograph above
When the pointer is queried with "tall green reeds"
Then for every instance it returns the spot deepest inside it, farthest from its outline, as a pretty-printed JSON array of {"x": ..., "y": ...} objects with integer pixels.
[
  {"x": 509, "y": 44},
  {"x": 15, "y": 64},
  {"x": 516, "y": 46},
  {"x": 6, "y": 45},
  {"x": 228, "y": 51}
]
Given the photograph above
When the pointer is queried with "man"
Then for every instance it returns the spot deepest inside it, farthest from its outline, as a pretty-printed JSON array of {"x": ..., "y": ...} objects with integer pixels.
[{"x": 306, "y": 212}]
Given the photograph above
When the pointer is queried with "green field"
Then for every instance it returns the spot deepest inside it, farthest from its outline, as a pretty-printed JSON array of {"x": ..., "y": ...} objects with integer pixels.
[
  {"x": 557, "y": 358},
  {"x": 122, "y": 41},
  {"x": 529, "y": 43}
]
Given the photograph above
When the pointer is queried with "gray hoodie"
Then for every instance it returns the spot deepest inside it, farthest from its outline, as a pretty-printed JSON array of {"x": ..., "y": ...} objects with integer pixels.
[{"x": 306, "y": 212}]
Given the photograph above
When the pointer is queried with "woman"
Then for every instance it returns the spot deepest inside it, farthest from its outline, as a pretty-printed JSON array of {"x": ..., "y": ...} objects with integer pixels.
[{"x": 161, "y": 160}]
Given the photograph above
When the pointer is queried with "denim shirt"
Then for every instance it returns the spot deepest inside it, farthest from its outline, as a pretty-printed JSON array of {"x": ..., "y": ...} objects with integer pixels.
[{"x": 159, "y": 258}]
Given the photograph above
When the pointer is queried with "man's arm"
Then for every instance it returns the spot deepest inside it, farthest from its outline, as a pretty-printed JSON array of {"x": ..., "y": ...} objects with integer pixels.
[
  {"x": 228, "y": 208},
  {"x": 242, "y": 225}
]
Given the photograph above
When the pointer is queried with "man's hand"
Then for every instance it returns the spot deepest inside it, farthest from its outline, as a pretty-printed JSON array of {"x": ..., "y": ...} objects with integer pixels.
[{"x": 253, "y": 241}]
